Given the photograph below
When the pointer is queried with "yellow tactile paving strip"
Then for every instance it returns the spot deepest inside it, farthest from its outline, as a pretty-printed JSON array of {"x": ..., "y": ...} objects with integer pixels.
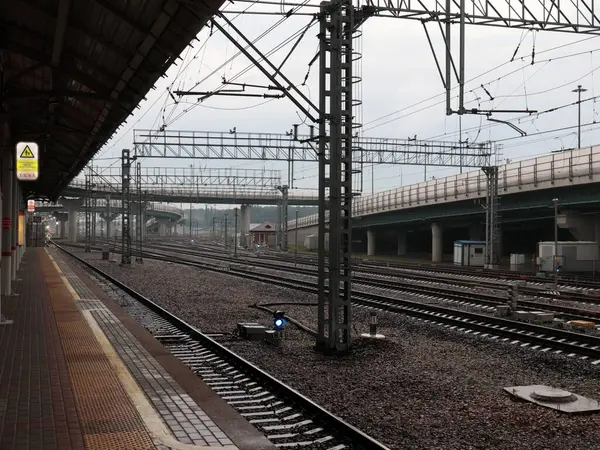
[
  {"x": 108, "y": 418},
  {"x": 161, "y": 399}
]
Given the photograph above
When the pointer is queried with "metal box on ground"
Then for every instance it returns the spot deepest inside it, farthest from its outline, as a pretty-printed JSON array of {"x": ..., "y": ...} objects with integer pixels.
[
  {"x": 502, "y": 310},
  {"x": 521, "y": 315},
  {"x": 251, "y": 331},
  {"x": 542, "y": 316},
  {"x": 311, "y": 242},
  {"x": 517, "y": 261},
  {"x": 105, "y": 252},
  {"x": 573, "y": 256},
  {"x": 271, "y": 337},
  {"x": 469, "y": 253}
]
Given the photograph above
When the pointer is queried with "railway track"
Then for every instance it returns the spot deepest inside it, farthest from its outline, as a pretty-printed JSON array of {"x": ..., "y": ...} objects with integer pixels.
[
  {"x": 286, "y": 417},
  {"x": 537, "y": 337},
  {"x": 485, "y": 300},
  {"x": 536, "y": 286},
  {"x": 580, "y": 281},
  {"x": 456, "y": 291},
  {"x": 452, "y": 291}
]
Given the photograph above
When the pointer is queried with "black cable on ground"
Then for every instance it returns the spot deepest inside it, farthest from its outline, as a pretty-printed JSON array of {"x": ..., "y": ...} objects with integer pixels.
[
  {"x": 288, "y": 318},
  {"x": 288, "y": 303}
]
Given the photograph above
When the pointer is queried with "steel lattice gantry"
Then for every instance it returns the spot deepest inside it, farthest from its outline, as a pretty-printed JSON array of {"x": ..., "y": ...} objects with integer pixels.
[
  {"x": 281, "y": 147},
  {"x": 492, "y": 218},
  {"x": 94, "y": 221},
  {"x": 89, "y": 215},
  {"x": 543, "y": 15},
  {"x": 282, "y": 217},
  {"x": 153, "y": 177},
  {"x": 337, "y": 26},
  {"x": 140, "y": 221},
  {"x": 126, "y": 207}
]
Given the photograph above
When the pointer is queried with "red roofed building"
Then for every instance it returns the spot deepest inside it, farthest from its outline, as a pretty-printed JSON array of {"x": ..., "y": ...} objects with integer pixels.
[{"x": 264, "y": 234}]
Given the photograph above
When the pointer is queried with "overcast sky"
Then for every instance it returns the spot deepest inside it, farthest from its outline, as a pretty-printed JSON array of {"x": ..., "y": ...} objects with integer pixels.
[{"x": 400, "y": 83}]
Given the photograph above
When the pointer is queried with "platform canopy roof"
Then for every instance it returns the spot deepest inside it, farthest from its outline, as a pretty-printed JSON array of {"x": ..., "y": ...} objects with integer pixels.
[{"x": 72, "y": 71}]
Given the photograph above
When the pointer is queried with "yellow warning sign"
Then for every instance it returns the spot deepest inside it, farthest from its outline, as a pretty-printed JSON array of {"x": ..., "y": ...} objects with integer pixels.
[
  {"x": 27, "y": 153},
  {"x": 27, "y": 166},
  {"x": 27, "y": 156}
]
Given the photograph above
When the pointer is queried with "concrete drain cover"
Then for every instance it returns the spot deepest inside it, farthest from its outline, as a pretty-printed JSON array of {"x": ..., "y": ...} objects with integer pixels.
[{"x": 554, "y": 398}]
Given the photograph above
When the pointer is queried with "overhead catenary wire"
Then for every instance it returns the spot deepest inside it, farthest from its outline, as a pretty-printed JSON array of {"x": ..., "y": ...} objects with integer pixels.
[
  {"x": 473, "y": 90},
  {"x": 523, "y": 117},
  {"x": 572, "y": 127},
  {"x": 254, "y": 41},
  {"x": 478, "y": 129},
  {"x": 282, "y": 4},
  {"x": 247, "y": 69},
  {"x": 165, "y": 93},
  {"x": 485, "y": 84},
  {"x": 446, "y": 134},
  {"x": 303, "y": 4}
]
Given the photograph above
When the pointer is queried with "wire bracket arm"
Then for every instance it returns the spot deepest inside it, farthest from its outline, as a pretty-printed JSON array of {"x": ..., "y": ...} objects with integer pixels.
[{"x": 271, "y": 77}]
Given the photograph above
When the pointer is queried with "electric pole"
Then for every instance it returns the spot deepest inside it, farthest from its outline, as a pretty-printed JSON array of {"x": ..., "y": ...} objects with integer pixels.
[
  {"x": 126, "y": 206},
  {"x": 555, "y": 265},
  {"x": 235, "y": 233},
  {"x": 225, "y": 233},
  {"x": 282, "y": 218},
  {"x": 296, "y": 241},
  {"x": 579, "y": 90}
]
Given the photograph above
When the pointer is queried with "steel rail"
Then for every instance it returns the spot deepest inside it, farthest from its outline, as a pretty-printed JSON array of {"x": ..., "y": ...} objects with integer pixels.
[
  {"x": 341, "y": 428},
  {"x": 405, "y": 285},
  {"x": 547, "y": 338},
  {"x": 392, "y": 268},
  {"x": 566, "y": 341},
  {"x": 452, "y": 293}
]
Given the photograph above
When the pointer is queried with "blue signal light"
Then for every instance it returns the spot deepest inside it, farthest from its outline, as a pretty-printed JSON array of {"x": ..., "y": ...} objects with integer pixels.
[{"x": 279, "y": 320}]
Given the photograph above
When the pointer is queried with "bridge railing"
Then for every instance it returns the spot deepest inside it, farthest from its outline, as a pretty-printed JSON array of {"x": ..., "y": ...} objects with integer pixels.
[
  {"x": 564, "y": 168},
  {"x": 164, "y": 208},
  {"x": 227, "y": 193},
  {"x": 193, "y": 192},
  {"x": 115, "y": 206},
  {"x": 200, "y": 178}
]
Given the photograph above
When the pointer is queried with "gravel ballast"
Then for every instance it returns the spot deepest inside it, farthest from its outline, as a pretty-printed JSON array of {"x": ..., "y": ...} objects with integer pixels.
[{"x": 424, "y": 387}]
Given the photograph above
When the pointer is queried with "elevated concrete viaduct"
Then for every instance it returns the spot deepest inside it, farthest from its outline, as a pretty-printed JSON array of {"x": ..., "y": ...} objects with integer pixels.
[{"x": 426, "y": 218}]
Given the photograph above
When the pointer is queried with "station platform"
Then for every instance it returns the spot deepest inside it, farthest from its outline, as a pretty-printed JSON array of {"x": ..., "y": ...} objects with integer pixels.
[{"x": 77, "y": 372}]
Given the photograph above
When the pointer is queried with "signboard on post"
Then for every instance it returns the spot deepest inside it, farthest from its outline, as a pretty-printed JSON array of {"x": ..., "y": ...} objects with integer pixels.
[
  {"x": 30, "y": 205},
  {"x": 27, "y": 161}
]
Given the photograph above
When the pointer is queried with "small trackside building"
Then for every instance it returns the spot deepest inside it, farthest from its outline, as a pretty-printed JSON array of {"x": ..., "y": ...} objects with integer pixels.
[
  {"x": 264, "y": 234},
  {"x": 469, "y": 253}
]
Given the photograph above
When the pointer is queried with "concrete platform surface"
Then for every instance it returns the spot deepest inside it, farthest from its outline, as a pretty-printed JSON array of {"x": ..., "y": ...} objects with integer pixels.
[{"x": 77, "y": 372}]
